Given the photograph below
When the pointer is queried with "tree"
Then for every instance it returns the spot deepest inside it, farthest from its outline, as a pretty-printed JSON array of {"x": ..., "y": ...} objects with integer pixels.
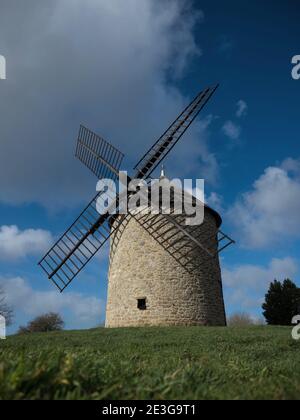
[
  {"x": 5, "y": 310},
  {"x": 44, "y": 323},
  {"x": 282, "y": 303}
]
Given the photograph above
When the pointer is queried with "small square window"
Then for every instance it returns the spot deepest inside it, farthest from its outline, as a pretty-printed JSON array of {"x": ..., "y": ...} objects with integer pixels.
[{"x": 141, "y": 304}]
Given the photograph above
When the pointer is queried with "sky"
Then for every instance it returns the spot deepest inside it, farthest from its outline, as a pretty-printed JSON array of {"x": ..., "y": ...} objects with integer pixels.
[{"x": 126, "y": 70}]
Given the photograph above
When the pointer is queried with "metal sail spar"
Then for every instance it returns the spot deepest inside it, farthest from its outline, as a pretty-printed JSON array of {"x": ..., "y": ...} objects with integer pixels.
[
  {"x": 79, "y": 244},
  {"x": 149, "y": 162},
  {"x": 103, "y": 159},
  {"x": 173, "y": 235}
]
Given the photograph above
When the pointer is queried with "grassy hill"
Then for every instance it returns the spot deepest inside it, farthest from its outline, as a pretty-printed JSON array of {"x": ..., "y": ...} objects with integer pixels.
[{"x": 155, "y": 363}]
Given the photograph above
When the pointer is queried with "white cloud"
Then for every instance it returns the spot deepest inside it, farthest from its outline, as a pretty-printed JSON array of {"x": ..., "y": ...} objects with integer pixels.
[
  {"x": 242, "y": 109},
  {"x": 246, "y": 285},
  {"x": 257, "y": 277},
  {"x": 204, "y": 162},
  {"x": 270, "y": 212},
  {"x": 197, "y": 140},
  {"x": 231, "y": 130},
  {"x": 81, "y": 309},
  {"x": 110, "y": 65},
  {"x": 15, "y": 243},
  {"x": 293, "y": 166},
  {"x": 215, "y": 201}
]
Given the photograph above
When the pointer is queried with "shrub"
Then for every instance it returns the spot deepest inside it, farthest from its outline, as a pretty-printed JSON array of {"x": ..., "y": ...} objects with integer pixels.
[
  {"x": 43, "y": 323},
  {"x": 240, "y": 320}
]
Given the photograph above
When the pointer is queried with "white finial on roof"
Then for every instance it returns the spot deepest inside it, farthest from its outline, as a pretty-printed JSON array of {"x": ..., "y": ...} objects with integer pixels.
[{"x": 162, "y": 174}]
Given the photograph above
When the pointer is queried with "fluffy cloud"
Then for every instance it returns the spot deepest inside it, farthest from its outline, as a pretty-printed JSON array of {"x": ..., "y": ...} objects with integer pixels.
[
  {"x": 231, "y": 130},
  {"x": 242, "y": 109},
  {"x": 108, "y": 64},
  {"x": 215, "y": 201},
  {"x": 15, "y": 243},
  {"x": 270, "y": 212},
  {"x": 246, "y": 285},
  {"x": 79, "y": 309}
]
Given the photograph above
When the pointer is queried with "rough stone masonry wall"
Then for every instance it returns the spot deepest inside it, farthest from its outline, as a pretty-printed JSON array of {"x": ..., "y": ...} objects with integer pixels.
[{"x": 141, "y": 268}]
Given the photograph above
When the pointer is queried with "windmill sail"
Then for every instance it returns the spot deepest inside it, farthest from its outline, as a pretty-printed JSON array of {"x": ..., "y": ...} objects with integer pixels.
[
  {"x": 180, "y": 240},
  {"x": 98, "y": 155},
  {"x": 78, "y": 245},
  {"x": 90, "y": 231},
  {"x": 172, "y": 135}
]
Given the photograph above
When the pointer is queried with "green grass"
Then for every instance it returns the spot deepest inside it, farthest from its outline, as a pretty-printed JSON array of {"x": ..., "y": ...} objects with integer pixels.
[{"x": 155, "y": 363}]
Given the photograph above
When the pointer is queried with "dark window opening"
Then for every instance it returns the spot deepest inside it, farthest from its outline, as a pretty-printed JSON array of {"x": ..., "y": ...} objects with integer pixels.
[{"x": 141, "y": 304}]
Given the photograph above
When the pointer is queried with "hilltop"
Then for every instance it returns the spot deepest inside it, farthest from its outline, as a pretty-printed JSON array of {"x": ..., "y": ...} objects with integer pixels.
[{"x": 154, "y": 363}]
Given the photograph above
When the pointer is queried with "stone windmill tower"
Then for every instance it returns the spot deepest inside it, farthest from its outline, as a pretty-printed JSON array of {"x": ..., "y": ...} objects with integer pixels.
[
  {"x": 156, "y": 277},
  {"x": 162, "y": 272}
]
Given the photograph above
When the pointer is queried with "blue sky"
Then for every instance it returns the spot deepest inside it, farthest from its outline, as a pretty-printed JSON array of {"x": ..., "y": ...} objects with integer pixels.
[{"x": 128, "y": 73}]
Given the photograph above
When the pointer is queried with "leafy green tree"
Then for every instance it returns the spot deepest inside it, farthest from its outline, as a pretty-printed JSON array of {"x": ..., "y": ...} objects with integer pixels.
[{"x": 282, "y": 303}]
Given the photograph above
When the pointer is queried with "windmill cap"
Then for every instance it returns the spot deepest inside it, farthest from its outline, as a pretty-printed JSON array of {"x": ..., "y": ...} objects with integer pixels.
[
  {"x": 163, "y": 178},
  {"x": 162, "y": 173}
]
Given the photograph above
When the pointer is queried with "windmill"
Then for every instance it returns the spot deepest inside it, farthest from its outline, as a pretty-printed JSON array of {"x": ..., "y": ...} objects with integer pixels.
[{"x": 91, "y": 231}]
